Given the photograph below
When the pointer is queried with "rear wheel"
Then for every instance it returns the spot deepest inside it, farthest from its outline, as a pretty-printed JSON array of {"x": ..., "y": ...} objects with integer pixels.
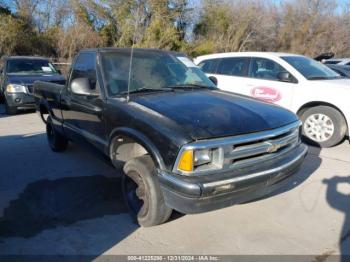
[
  {"x": 57, "y": 141},
  {"x": 323, "y": 126},
  {"x": 142, "y": 193}
]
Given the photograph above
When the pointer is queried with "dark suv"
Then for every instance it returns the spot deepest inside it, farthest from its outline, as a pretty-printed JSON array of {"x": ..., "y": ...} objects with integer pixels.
[{"x": 17, "y": 78}]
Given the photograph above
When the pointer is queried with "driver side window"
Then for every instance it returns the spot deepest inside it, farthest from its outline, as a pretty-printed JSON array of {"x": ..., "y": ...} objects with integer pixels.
[{"x": 267, "y": 69}]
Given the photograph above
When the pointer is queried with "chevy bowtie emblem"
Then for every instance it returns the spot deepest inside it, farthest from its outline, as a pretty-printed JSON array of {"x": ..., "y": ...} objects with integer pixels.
[{"x": 273, "y": 148}]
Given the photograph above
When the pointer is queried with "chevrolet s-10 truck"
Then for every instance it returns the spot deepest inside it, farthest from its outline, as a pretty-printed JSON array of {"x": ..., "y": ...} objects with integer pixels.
[{"x": 182, "y": 143}]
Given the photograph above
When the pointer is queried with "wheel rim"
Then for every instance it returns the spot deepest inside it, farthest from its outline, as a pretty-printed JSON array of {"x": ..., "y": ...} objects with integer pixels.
[
  {"x": 319, "y": 127},
  {"x": 135, "y": 193}
]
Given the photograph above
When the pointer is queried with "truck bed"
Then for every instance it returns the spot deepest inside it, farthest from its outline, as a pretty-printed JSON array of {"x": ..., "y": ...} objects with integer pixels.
[
  {"x": 48, "y": 99},
  {"x": 47, "y": 90}
]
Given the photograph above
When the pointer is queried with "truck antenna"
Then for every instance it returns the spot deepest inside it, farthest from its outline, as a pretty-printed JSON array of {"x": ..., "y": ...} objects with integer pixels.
[
  {"x": 132, "y": 53},
  {"x": 130, "y": 68}
]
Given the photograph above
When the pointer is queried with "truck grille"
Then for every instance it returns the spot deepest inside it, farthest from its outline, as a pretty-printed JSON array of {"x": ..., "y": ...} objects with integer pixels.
[
  {"x": 257, "y": 148},
  {"x": 240, "y": 151},
  {"x": 30, "y": 89}
]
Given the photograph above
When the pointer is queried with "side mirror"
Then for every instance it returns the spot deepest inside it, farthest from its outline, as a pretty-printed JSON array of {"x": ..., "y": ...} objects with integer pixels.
[
  {"x": 81, "y": 86},
  {"x": 59, "y": 71},
  {"x": 214, "y": 80},
  {"x": 285, "y": 77}
]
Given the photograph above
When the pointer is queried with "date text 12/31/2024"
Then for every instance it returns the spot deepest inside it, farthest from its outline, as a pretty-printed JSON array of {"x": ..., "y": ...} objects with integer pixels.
[{"x": 173, "y": 258}]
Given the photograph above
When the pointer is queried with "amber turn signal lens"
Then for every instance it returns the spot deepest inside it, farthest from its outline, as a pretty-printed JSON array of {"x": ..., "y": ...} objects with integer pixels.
[{"x": 186, "y": 161}]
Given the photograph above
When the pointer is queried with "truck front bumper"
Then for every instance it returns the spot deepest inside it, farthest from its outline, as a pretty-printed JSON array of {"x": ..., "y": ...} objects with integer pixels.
[
  {"x": 198, "y": 194},
  {"x": 20, "y": 100}
]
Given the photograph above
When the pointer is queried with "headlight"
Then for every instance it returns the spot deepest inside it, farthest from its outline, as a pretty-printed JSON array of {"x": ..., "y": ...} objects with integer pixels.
[
  {"x": 202, "y": 157},
  {"x": 199, "y": 160},
  {"x": 13, "y": 88}
]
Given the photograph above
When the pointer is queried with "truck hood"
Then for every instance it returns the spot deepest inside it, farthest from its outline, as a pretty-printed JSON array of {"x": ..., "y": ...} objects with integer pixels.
[
  {"x": 209, "y": 114},
  {"x": 29, "y": 79}
]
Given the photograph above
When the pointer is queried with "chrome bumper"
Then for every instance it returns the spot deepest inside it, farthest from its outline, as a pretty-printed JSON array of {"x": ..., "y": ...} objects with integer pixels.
[{"x": 218, "y": 190}]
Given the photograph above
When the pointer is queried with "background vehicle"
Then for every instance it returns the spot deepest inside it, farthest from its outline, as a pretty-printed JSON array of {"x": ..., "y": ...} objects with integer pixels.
[
  {"x": 324, "y": 56},
  {"x": 337, "y": 61},
  {"x": 182, "y": 143},
  {"x": 310, "y": 89},
  {"x": 343, "y": 70},
  {"x": 17, "y": 78}
]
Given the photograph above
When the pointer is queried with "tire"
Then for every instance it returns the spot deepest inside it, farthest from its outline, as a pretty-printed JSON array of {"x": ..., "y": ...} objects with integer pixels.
[
  {"x": 57, "y": 141},
  {"x": 323, "y": 126},
  {"x": 142, "y": 193},
  {"x": 10, "y": 110}
]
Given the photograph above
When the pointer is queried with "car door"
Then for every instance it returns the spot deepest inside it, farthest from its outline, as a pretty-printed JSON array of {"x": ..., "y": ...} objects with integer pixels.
[
  {"x": 265, "y": 82},
  {"x": 230, "y": 72},
  {"x": 83, "y": 114}
]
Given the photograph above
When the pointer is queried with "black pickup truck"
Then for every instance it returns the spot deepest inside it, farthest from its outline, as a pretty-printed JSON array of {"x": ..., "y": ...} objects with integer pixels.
[
  {"x": 17, "y": 78},
  {"x": 182, "y": 143}
]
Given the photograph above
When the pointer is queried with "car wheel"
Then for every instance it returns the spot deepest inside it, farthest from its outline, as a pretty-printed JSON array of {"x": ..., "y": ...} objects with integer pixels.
[
  {"x": 142, "y": 193},
  {"x": 57, "y": 141},
  {"x": 323, "y": 126},
  {"x": 10, "y": 110}
]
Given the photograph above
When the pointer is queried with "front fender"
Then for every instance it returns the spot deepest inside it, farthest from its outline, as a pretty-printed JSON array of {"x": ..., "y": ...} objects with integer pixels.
[{"x": 139, "y": 138}]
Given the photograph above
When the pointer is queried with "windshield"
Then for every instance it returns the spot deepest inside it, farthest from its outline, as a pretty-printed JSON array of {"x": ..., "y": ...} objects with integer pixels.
[
  {"x": 150, "y": 70},
  {"x": 311, "y": 69},
  {"x": 30, "y": 66}
]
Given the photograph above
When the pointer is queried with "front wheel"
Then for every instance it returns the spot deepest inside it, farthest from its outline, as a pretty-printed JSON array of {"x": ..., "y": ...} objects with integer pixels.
[
  {"x": 142, "y": 193},
  {"x": 323, "y": 126}
]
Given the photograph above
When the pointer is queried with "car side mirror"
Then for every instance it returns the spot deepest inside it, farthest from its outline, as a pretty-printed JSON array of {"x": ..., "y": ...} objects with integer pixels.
[
  {"x": 285, "y": 77},
  {"x": 81, "y": 86},
  {"x": 214, "y": 80}
]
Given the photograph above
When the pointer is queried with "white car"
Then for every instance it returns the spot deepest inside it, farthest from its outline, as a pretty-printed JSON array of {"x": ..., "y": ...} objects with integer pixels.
[{"x": 320, "y": 96}]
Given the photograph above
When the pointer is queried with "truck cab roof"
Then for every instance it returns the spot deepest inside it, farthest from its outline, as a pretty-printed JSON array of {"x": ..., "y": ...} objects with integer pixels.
[{"x": 117, "y": 49}]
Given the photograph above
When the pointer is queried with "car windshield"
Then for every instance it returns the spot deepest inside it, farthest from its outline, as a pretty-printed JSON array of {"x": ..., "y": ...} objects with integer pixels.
[
  {"x": 30, "y": 66},
  {"x": 311, "y": 69},
  {"x": 150, "y": 71}
]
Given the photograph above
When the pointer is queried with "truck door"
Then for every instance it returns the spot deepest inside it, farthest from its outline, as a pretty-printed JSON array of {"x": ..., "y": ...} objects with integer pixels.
[
  {"x": 83, "y": 114},
  {"x": 265, "y": 84}
]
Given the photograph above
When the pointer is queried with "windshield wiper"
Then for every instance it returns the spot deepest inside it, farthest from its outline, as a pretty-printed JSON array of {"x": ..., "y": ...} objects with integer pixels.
[{"x": 146, "y": 89}]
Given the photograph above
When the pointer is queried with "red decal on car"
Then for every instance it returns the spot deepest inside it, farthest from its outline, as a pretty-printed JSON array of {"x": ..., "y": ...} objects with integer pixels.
[{"x": 267, "y": 94}]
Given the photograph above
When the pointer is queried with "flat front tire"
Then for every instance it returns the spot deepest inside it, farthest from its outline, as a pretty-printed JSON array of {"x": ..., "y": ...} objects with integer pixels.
[
  {"x": 57, "y": 141},
  {"x": 142, "y": 193},
  {"x": 323, "y": 126}
]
